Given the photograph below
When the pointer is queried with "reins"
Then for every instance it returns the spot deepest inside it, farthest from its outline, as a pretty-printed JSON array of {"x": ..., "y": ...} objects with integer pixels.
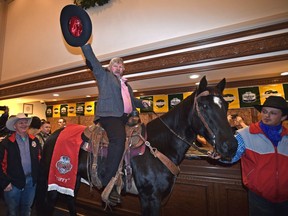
[
  {"x": 195, "y": 107},
  {"x": 203, "y": 151}
]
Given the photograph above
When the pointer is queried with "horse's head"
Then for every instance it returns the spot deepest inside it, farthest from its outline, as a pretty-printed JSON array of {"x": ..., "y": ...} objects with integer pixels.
[{"x": 209, "y": 118}]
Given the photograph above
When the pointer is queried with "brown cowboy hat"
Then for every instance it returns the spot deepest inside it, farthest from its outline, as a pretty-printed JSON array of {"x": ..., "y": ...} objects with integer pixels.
[
  {"x": 275, "y": 102},
  {"x": 76, "y": 25},
  {"x": 11, "y": 121}
]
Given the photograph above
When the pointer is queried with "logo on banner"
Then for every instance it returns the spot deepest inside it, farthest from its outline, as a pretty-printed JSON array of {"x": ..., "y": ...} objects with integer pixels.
[
  {"x": 229, "y": 98},
  {"x": 71, "y": 109},
  {"x": 63, "y": 165},
  {"x": 160, "y": 103},
  {"x": 89, "y": 108}
]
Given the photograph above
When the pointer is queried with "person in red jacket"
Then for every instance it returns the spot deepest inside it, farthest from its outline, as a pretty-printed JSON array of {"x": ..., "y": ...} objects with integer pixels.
[
  {"x": 263, "y": 150},
  {"x": 20, "y": 155}
]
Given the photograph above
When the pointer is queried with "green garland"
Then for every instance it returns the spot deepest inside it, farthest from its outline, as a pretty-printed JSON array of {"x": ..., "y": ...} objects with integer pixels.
[{"x": 85, "y": 4}]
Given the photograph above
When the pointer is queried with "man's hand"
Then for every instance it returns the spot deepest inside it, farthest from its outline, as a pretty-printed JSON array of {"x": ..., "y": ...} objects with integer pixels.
[
  {"x": 8, "y": 188},
  {"x": 146, "y": 103},
  {"x": 213, "y": 155}
]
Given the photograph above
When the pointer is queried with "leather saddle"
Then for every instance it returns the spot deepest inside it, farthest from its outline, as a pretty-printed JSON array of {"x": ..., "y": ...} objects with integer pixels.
[{"x": 96, "y": 143}]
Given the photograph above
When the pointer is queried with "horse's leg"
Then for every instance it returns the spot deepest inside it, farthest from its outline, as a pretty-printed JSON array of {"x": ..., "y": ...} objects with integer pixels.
[
  {"x": 71, "y": 205},
  {"x": 51, "y": 202},
  {"x": 40, "y": 197},
  {"x": 71, "y": 201},
  {"x": 150, "y": 206}
]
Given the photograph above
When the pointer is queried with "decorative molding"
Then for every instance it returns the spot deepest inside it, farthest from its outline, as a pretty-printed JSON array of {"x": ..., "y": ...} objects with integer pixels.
[
  {"x": 235, "y": 50},
  {"x": 62, "y": 79}
]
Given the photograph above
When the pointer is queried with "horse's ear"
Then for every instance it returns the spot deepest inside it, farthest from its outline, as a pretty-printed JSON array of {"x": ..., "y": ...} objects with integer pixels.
[
  {"x": 221, "y": 85},
  {"x": 202, "y": 85}
]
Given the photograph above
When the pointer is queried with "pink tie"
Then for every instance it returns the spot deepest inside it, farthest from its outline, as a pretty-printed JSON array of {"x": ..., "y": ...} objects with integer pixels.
[{"x": 126, "y": 96}]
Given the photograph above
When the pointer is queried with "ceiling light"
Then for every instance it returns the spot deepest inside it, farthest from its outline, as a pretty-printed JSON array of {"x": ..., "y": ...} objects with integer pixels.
[
  {"x": 88, "y": 96},
  {"x": 55, "y": 95},
  {"x": 197, "y": 83},
  {"x": 284, "y": 74},
  {"x": 194, "y": 76},
  {"x": 135, "y": 90}
]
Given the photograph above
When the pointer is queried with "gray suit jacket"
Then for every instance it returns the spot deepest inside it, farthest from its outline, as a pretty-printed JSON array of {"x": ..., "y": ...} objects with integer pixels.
[{"x": 110, "y": 102}]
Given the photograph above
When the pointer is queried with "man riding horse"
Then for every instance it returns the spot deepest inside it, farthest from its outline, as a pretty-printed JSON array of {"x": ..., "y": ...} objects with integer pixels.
[{"x": 115, "y": 102}]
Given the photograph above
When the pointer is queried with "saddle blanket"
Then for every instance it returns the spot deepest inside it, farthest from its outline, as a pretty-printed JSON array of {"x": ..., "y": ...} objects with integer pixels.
[{"x": 64, "y": 163}]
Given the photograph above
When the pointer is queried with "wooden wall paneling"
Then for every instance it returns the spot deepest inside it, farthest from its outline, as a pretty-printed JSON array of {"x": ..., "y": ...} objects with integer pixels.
[
  {"x": 190, "y": 196},
  {"x": 203, "y": 188},
  {"x": 86, "y": 120},
  {"x": 232, "y": 199},
  {"x": 92, "y": 199}
]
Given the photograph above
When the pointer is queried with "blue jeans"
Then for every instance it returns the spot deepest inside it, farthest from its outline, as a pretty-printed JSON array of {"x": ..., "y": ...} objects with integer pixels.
[
  {"x": 258, "y": 206},
  {"x": 19, "y": 201}
]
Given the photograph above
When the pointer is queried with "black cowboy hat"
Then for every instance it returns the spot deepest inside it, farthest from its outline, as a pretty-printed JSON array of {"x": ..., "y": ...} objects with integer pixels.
[
  {"x": 275, "y": 102},
  {"x": 76, "y": 25}
]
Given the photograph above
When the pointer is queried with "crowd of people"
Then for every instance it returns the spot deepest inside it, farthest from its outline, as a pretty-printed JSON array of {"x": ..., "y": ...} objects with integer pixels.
[{"x": 262, "y": 148}]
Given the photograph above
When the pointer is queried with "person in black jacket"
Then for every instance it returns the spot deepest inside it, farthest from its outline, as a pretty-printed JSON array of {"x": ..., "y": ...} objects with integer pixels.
[
  {"x": 20, "y": 155},
  {"x": 3, "y": 119}
]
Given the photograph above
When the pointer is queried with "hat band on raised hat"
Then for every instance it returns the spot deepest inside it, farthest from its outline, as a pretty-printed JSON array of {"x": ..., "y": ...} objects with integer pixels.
[{"x": 75, "y": 26}]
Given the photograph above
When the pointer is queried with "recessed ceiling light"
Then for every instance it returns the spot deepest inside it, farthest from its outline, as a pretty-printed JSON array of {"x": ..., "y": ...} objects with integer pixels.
[
  {"x": 88, "y": 95},
  {"x": 197, "y": 83},
  {"x": 55, "y": 95},
  {"x": 194, "y": 76},
  {"x": 135, "y": 90},
  {"x": 284, "y": 74}
]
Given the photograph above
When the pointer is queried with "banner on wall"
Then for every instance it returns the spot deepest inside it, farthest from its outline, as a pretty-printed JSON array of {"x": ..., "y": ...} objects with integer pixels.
[
  {"x": 236, "y": 97},
  {"x": 160, "y": 103},
  {"x": 186, "y": 94},
  {"x": 80, "y": 108},
  {"x": 71, "y": 109},
  {"x": 285, "y": 89},
  {"x": 56, "y": 111},
  {"x": 64, "y": 110},
  {"x": 249, "y": 96},
  {"x": 174, "y": 99},
  {"x": 148, "y": 109},
  {"x": 231, "y": 96},
  {"x": 49, "y": 111},
  {"x": 89, "y": 108},
  {"x": 268, "y": 90}
]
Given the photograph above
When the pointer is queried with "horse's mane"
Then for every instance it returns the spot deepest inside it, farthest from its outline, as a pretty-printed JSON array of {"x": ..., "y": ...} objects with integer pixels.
[{"x": 177, "y": 119}]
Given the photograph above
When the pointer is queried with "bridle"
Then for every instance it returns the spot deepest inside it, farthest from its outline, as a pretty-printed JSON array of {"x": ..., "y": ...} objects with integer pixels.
[{"x": 195, "y": 106}]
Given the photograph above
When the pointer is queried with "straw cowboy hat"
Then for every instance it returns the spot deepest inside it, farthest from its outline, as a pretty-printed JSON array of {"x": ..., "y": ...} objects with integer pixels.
[
  {"x": 76, "y": 25},
  {"x": 11, "y": 121},
  {"x": 275, "y": 102}
]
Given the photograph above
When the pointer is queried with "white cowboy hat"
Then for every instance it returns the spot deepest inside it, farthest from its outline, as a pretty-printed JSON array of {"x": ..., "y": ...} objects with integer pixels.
[{"x": 11, "y": 121}]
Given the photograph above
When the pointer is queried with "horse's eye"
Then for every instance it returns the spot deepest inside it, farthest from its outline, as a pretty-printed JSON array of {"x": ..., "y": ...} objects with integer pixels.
[{"x": 205, "y": 106}]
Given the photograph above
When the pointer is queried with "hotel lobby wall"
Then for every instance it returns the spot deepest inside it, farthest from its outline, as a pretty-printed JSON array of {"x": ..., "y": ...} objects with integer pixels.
[{"x": 16, "y": 107}]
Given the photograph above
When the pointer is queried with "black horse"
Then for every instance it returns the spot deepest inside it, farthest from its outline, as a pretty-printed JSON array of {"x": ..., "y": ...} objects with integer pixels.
[{"x": 204, "y": 112}]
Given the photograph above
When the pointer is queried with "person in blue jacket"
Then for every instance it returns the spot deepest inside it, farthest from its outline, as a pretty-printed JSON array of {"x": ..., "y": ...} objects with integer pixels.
[{"x": 263, "y": 150}]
